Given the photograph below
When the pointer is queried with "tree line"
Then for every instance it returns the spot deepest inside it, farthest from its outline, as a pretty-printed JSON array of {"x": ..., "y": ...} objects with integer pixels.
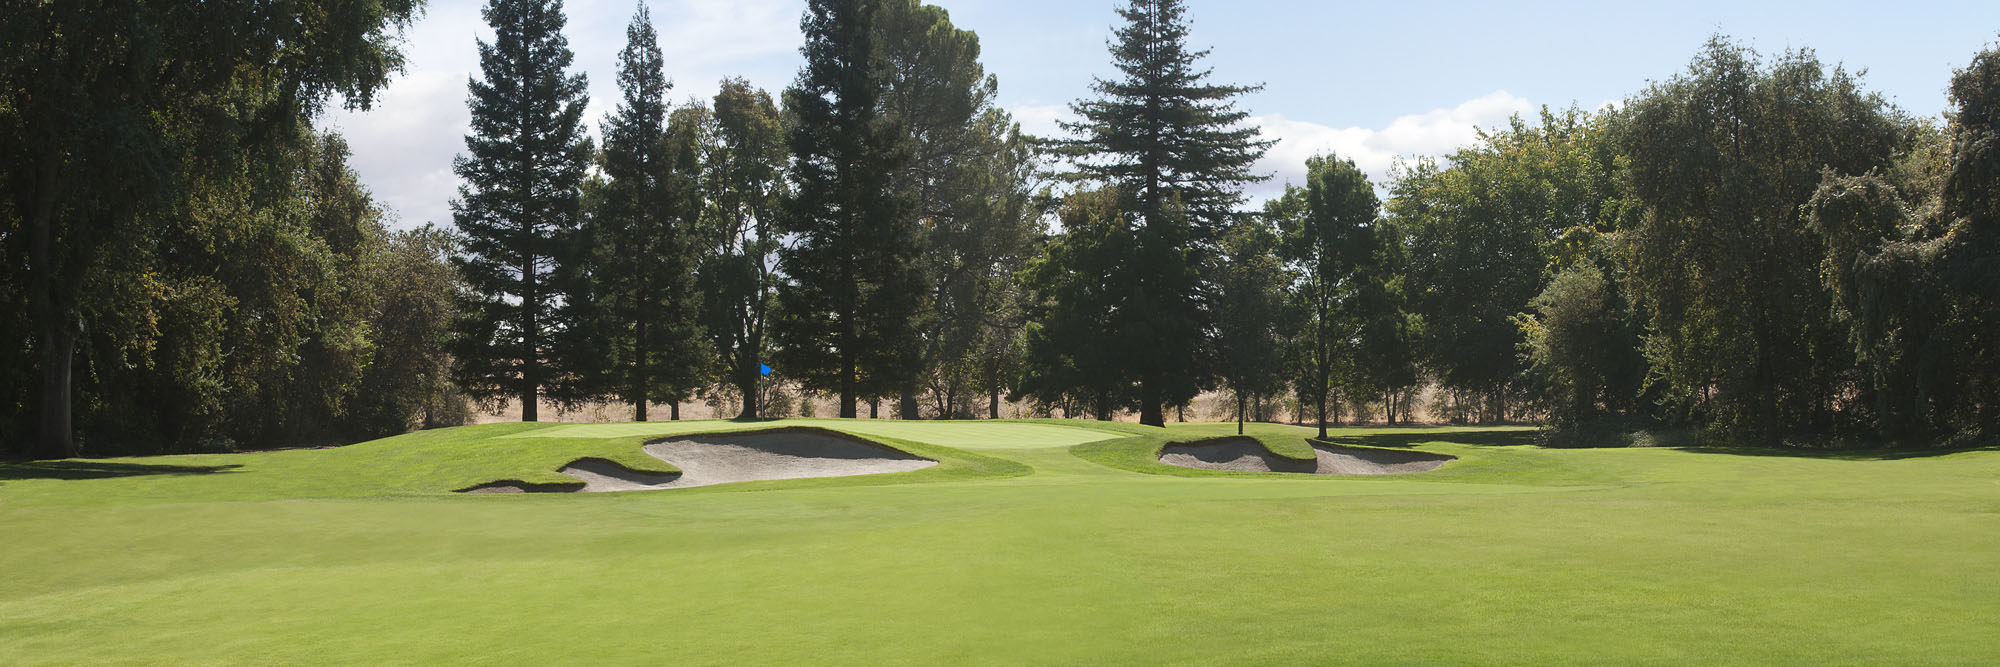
[
  {"x": 1758, "y": 248},
  {"x": 858, "y": 233},
  {"x": 189, "y": 264}
]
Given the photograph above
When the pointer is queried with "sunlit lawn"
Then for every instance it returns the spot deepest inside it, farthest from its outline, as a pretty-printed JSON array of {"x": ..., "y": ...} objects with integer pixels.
[{"x": 1014, "y": 550}]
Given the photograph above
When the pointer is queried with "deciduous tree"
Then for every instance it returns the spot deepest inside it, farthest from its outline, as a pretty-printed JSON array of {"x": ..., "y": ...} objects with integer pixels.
[{"x": 110, "y": 111}]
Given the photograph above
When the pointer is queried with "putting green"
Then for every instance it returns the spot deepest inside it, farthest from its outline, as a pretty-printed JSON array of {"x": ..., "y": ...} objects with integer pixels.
[
  {"x": 1016, "y": 554},
  {"x": 959, "y": 434}
]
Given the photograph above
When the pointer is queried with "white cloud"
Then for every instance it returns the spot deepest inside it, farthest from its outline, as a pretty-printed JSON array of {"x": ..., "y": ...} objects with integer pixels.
[
  {"x": 403, "y": 148},
  {"x": 1375, "y": 151},
  {"x": 1040, "y": 119},
  {"x": 711, "y": 33},
  {"x": 1432, "y": 133}
]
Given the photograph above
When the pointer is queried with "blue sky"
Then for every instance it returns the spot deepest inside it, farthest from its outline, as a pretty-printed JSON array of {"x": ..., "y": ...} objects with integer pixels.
[{"x": 1373, "y": 81}]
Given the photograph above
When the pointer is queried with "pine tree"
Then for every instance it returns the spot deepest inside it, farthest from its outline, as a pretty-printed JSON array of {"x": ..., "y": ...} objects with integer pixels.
[
  {"x": 1174, "y": 145},
  {"x": 851, "y": 286},
  {"x": 518, "y": 212},
  {"x": 643, "y": 232}
]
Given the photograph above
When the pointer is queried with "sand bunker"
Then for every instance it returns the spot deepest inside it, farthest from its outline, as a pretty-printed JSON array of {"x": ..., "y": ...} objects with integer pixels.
[
  {"x": 1247, "y": 455},
  {"x": 720, "y": 458}
]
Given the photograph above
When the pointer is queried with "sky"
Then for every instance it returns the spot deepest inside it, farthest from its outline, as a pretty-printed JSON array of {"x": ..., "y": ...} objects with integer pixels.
[{"x": 1373, "y": 82}]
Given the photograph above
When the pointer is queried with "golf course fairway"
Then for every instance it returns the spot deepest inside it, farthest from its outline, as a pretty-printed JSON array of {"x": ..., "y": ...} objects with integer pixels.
[{"x": 1042, "y": 541}]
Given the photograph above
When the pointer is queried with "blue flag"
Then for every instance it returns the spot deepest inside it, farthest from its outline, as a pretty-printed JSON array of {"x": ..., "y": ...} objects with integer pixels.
[{"x": 766, "y": 368}]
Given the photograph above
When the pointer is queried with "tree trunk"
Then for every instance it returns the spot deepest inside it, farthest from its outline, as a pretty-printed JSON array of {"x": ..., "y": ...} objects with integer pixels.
[
  {"x": 750, "y": 369},
  {"x": 674, "y": 410},
  {"x": 746, "y": 384},
  {"x": 906, "y": 404},
  {"x": 1240, "y": 404},
  {"x": 640, "y": 371},
  {"x": 993, "y": 403},
  {"x": 531, "y": 381},
  {"x": 58, "y": 348},
  {"x": 847, "y": 379},
  {"x": 59, "y": 328},
  {"x": 1322, "y": 414},
  {"x": 1150, "y": 412}
]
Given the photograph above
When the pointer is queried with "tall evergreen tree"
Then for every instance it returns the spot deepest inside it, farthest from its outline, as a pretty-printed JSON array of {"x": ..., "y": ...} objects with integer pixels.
[
  {"x": 1175, "y": 145},
  {"x": 518, "y": 211},
  {"x": 644, "y": 233},
  {"x": 852, "y": 287}
]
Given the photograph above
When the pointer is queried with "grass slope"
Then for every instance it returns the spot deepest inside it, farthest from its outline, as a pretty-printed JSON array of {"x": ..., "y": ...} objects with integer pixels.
[{"x": 1021, "y": 552}]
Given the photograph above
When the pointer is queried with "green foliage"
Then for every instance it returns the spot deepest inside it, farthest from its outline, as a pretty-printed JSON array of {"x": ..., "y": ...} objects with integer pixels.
[
  {"x": 121, "y": 121},
  {"x": 521, "y": 337},
  {"x": 968, "y": 176},
  {"x": 408, "y": 382},
  {"x": 1723, "y": 158},
  {"x": 744, "y": 174},
  {"x": 1486, "y": 229},
  {"x": 1971, "y": 201},
  {"x": 1909, "y": 258},
  {"x": 852, "y": 283},
  {"x": 273, "y": 311},
  {"x": 1579, "y": 343},
  {"x": 1329, "y": 234},
  {"x": 1252, "y": 311},
  {"x": 1083, "y": 330},
  {"x": 644, "y": 233},
  {"x": 1174, "y": 145},
  {"x": 1162, "y": 132}
]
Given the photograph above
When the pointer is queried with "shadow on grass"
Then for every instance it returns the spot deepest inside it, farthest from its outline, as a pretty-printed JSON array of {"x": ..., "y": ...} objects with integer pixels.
[
  {"x": 1407, "y": 440},
  {"x": 1837, "y": 454},
  {"x": 100, "y": 470}
]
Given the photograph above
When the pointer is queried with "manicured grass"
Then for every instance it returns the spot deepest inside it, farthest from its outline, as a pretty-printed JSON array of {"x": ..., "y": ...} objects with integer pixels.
[
  {"x": 426, "y": 462},
  {"x": 1024, "y": 551},
  {"x": 958, "y": 434}
]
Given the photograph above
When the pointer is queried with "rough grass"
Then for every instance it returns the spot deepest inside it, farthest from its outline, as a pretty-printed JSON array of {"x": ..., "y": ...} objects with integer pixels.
[{"x": 1021, "y": 552}]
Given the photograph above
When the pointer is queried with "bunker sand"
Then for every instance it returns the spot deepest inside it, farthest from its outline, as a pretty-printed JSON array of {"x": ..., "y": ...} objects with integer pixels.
[
  {"x": 721, "y": 458},
  {"x": 1248, "y": 455}
]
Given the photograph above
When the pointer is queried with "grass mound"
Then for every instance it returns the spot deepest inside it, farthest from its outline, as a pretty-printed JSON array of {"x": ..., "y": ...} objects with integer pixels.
[{"x": 1025, "y": 551}]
